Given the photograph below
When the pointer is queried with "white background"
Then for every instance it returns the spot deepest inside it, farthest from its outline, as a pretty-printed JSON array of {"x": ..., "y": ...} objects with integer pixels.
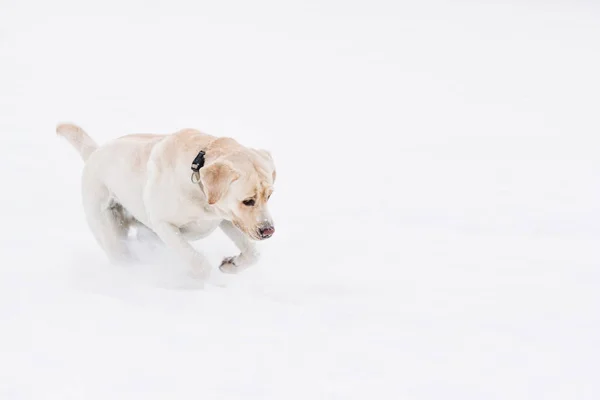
[{"x": 437, "y": 202}]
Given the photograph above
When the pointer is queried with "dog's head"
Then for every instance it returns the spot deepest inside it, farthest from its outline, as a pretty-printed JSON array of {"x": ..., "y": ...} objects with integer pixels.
[{"x": 239, "y": 185}]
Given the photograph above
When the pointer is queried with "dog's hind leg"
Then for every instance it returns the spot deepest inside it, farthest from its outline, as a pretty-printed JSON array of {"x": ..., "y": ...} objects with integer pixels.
[
  {"x": 104, "y": 219},
  {"x": 134, "y": 228},
  {"x": 145, "y": 234}
]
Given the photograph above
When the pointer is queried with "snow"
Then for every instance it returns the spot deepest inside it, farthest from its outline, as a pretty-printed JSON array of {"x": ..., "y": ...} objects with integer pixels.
[{"x": 437, "y": 202}]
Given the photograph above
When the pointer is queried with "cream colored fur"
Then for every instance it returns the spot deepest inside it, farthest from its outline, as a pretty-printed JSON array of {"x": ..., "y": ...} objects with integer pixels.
[{"x": 145, "y": 180}]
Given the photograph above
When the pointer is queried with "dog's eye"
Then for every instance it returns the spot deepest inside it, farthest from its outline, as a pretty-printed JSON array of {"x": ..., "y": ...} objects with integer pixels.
[{"x": 249, "y": 202}]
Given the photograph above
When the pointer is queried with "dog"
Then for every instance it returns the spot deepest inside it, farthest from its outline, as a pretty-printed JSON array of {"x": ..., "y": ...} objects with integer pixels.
[{"x": 178, "y": 187}]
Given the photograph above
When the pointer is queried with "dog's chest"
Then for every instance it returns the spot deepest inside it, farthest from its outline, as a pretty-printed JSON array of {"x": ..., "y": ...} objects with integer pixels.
[{"x": 198, "y": 229}]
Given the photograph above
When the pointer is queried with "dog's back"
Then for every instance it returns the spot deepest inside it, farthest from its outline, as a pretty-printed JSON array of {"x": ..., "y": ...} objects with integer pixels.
[{"x": 119, "y": 166}]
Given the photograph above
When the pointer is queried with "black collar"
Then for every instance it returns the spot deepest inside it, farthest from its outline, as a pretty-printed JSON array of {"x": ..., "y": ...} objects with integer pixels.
[
  {"x": 198, "y": 161},
  {"x": 196, "y": 165}
]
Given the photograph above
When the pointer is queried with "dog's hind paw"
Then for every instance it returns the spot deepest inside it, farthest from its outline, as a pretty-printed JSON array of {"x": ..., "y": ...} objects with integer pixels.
[{"x": 200, "y": 272}]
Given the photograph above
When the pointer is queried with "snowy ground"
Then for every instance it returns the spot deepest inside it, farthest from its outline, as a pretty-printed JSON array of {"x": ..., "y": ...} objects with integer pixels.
[{"x": 437, "y": 204}]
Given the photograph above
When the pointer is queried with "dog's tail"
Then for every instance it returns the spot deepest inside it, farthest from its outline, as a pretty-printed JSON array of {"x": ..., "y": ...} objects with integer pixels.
[{"x": 84, "y": 144}]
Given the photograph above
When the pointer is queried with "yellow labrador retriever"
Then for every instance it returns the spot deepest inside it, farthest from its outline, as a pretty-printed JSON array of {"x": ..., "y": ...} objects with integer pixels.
[{"x": 179, "y": 187}]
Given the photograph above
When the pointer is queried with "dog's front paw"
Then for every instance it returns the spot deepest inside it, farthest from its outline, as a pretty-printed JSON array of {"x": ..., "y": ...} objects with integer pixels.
[
  {"x": 228, "y": 265},
  {"x": 233, "y": 265}
]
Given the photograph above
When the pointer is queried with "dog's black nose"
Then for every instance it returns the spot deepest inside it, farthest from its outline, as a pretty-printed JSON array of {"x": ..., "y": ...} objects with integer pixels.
[{"x": 266, "y": 232}]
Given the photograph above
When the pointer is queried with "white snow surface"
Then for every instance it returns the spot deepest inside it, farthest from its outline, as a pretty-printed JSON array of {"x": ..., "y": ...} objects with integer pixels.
[{"x": 437, "y": 202}]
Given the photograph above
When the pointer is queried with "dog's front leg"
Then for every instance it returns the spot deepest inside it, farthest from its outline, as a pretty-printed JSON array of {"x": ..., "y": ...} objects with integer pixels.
[
  {"x": 171, "y": 236},
  {"x": 248, "y": 252}
]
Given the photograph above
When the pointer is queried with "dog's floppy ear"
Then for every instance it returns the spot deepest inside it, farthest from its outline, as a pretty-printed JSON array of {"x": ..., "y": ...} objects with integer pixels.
[{"x": 216, "y": 179}]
